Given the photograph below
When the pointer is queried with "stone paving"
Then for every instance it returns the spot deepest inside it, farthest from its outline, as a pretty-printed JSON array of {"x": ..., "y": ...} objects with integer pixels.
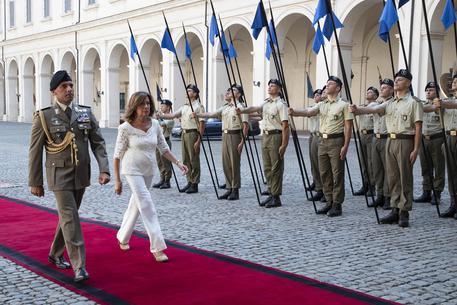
[{"x": 415, "y": 265}]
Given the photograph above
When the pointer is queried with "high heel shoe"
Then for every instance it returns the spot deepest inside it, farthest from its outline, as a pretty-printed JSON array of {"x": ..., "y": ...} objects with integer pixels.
[{"x": 160, "y": 256}]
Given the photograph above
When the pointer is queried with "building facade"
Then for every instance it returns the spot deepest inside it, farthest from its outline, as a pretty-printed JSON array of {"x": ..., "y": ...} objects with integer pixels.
[{"x": 91, "y": 40}]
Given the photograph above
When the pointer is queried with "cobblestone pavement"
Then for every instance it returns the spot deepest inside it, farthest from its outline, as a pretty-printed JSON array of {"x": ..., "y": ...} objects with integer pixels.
[{"x": 415, "y": 265}]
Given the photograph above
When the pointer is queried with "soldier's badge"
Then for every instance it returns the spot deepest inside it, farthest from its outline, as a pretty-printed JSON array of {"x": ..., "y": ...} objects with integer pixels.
[
  {"x": 56, "y": 121},
  {"x": 437, "y": 118},
  {"x": 335, "y": 117},
  {"x": 233, "y": 118},
  {"x": 272, "y": 116},
  {"x": 83, "y": 117},
  {"x": 404, "y": 117}
]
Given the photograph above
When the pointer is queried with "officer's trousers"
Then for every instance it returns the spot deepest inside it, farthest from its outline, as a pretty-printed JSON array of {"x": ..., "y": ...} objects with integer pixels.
[
  {"x": 434, "y": 155},
  {"x": 332, "y": 169},
  {"x": 164, "y": 164},
  {"x": 452, "y": 166},
  {"x": 273, "y": 165},
  {"x": 365, "y": 149},
  {"x": 314, "y": 158},
  {"x": 231, "y": 160},
  {"x": 378, "y": 154},
  {"x": 189, "y": 157}
]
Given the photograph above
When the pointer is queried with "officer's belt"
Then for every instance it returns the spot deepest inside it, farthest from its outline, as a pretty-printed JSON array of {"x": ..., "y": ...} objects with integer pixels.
[
  {"x": 332, "y": 135},
  {"x": 433, "y": 136},
  {"x": 189, "y": 130},
  {"x": 273, "y": 131},
  {"x": 400, "y": 136},
  {"x": 234, "y": 131},
  {"x": 316, "y": 134},
  {"x": 382, "y": 136},
  {"x": 367, "y": 131},
  {"x": 452, "y": 133}
]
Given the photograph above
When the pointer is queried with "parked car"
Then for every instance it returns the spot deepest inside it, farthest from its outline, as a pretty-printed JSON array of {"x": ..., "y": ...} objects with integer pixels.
[{"x": 213, "y": 128}]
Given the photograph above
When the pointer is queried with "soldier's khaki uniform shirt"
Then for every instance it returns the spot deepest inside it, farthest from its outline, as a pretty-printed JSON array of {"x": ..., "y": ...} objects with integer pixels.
[
  {"x": 230, "y": 120},
  {"x": 313, "y": 122},
  {"x": 185, "y": 113},
  {"x": 402, "y": 114},
  {"x": 332, "y": 115},
  {"x": 432, "y": 121},
  {"x": 450, "y": 118},
  {"x": 366, "y": 121},
  {"x": 167, "y": 126},
  {"x": 274, "y": 112},
  {"x": 379, "y": 121}
]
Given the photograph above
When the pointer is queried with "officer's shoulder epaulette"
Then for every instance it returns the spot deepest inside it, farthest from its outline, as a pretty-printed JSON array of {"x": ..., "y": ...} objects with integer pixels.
[
  {"x": 84, "y": 106},
  {"x": 416, "y": 99},
  {"x": 37, "y": 112}
]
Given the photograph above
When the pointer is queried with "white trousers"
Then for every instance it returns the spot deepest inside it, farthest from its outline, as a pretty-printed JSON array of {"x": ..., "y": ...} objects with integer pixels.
[{"x": 141, "y": 204}]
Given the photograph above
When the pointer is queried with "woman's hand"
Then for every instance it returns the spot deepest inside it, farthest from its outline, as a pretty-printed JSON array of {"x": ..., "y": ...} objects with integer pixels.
[{"x": 118, "y": 187}]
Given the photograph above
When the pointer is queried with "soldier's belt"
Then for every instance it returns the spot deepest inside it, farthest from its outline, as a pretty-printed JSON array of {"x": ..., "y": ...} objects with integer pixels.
[
  {"x": 332, "y": 135},
  {"x": 433, "y": 136},
  {"x": 234, "y": 131},
  {"x": 316, "y": 134},
  {"x": 274, "y": 131},
  {"x": 452, "y": 133},
  {"x": 367, "y": 131},
  {"x": 189, "y": 130},
  {"x": 400, "y": 136},
  {"x": 382, "y": 136}
]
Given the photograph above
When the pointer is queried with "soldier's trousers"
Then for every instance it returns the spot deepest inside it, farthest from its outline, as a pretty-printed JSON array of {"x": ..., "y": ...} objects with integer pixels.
[
  {"x": 400, "y": 173},
  {"x": 365, "y": 148},
  {"x": 273, "y": 165},
  {"x": 434, "y": 155},
  {"x": 314, "y": 157},
  {"x": 189, "y": 157},
  {"x": 331, "y": 168},
  {"x": 231, "y": 160},
  {"x": 69, "y": 233},
  {"x": 378, "y": 155},
  {"x": 164, "y": 164},
  {"x": 452, "y": 165}
]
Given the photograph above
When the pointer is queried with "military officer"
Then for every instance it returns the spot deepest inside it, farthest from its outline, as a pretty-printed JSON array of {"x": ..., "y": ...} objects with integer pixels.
[
  {"x": 233, "y": 128},
  {"x": 335, "y": 129},
  {"x": 404, "y": 116},
  {"x": 164, "y": 165},
  {"x": 190, "y": 137},
  {"x": 366, "y": 129},
  {"x": 275, "y": 138},
  {"x": 432, "y": 159},
  {"x": 65, "y": 130}
]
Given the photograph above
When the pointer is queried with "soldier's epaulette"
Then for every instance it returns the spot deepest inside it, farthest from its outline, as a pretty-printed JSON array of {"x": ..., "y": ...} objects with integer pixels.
[
  {"x": 416, "y": 99},
  {"x": 84, "y": 106}
]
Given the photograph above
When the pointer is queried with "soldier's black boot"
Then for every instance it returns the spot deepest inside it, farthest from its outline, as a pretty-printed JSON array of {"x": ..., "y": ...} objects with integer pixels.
[
  {"x": 165, "y": 185},
  {"x": 371, "y": 191},
  {"x": 336, "y": 210},
  {"x": 235, "y": 195},
  {"x": 386, "y": 205},
  {"x": 426, "y": 196},
  {"x": 274, "y": 203},
  {"x": 192, "y": 189},
  {"x": 451, "y": 211},
  {"x": 158, "y": 184},
  {"x": 436, "y": 200},
  {"x": 323, "y": 199},
  {"x": 263, "y": 203},
  {"x": 265, "y": 193},
  {"x": 226, "y": 194},
  {"x": 325, "y": 209},
  {"x": 184, "y": 189},
  {"x": 379, "y": 201},
  {"x": 361, "y": 192},
  {"x": 317, "y": 196},
  {"x": 404, "y": 219},
  {"x": 391, "y": 218}
]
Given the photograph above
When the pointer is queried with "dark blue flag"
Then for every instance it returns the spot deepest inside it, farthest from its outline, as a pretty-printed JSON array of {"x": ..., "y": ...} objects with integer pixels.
[
  {"x": 232, "y": 51},
  {"x": 318, "y": 40},
  {"x": 133, "y": 48},
  {"x": 448, "y": 18},
  {"x": 224, "y": 46},
  {"x": 259, "y": 21},
  {"x": 158, "y": 92},
  {"x": 388, "y": 18},
  {"x": 310, "y": 86},
  {"x": 402, "y": 2},
  {"x": 275, "y": 40},
  {"x": 327, "y": 30},
  {"x": 167, "y": 42},
  {"x": 322, "y": 10},
  {"x": 188, "y": 50},
  {"x": 213, "y": 30}
]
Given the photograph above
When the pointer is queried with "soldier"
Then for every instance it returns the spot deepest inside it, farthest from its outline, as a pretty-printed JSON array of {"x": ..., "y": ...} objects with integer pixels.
[
  {"x": 233, "y": 127},
  {"x": 190, "y": 137},
  {"x": 275, "y": 138},
  {"x": 164, "y": 165},
  {"x": 404, "y": 124},
  {"x": 65, "y": 131},
  {"x": 335, "y": 128},
  {"x": 366, "y": 129},
  {"x": 432, "y": 159}
]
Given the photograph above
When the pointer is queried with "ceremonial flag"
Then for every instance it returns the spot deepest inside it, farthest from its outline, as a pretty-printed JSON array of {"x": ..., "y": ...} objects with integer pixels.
[
  {"x": 322, "y": 10},
  {"x": 158, "y": 92},
  {"x": 188, "y": 50},
  {"x": 448, "y": 18},
  {"x": 167, "y": 42},
  {"x": 388, "y": 18},
  {"x": 275, "y": 40},
  {"x": 213, "y": 30},
  {"x": 232, "y": 51},
  {"x": 318, "y": 40},
  {"x": 133, "y": 48},
  {"x": 402, "y": 2},
  {"x": 327, "y": 30},
  {"x": 310, "y": 86},
  {"x": 259, "y": 21}
]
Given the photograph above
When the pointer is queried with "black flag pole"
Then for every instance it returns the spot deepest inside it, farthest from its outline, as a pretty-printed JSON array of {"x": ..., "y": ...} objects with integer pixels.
[{"x": 191, "y": 106}]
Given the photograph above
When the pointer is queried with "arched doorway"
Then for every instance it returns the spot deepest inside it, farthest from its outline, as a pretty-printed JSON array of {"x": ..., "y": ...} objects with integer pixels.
[
  {"x": 69, "y": 64},
  {"x": 47, "y": 70},
  {"x": 117, "y": 88},
  {"x": 12, "y": 92},
  {"x": 151, "y": 54},
  {"x": 28, "y": 100},
  {"x": 91, "y": 90},
  {"x": 2, "y": 90}
]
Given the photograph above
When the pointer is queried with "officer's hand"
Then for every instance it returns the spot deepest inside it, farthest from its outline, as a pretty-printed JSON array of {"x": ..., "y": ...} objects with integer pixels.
[
  {"x": 282, "y": 151},
  {"x": 291, "y": 111},
  {"x": 437, "y": 103},
  {"x": 343, "y": 152},
  {"x": 183, "y": 168},
  {"x": 240, "y": 148},
  {"x": 193, "y": 115},
  {"x": 118, "y": 187},
  {"x": 197, "y": 147},
  {"x": 352, "y": 108},
  {"x": 413, "y": 156},
  {"x": 238, "y": 111},
  {"x": 103, "y": 178},
  {"x": 37, "y": 191}
]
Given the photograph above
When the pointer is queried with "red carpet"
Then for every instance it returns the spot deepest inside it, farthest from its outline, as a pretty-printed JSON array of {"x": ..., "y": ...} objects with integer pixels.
[{"x": 192, "y": 276}]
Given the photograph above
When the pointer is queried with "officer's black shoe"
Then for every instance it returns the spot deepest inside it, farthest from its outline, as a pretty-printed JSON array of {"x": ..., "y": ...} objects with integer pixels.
[
  {"x": 436, "y": 200},
  {"x": 235, "y": 195},
  {"x": 158, "y": 184},
  {"x": 361, "y": 192},
  {"x": 223, "y": 186},
  {"x": 325, "y": 209},
  {"x": 265, "y": 193},
  {"x": 386, "y": 205},
  {"x": 263, "y": 203},
  {"x": 184, "y": 189},
  {"x": 371, "y": 191},
  {"x": 391, "y": 218},
  {"x": 336, "y": 210},
  {"x": 192, "y": 189},
  {"x": 60, "y": 262},
  {"x": 165, "y": 185},
  {"x": 450, "y": 212},
  {"x": 323, "y": 199},
  {"x": 312, "y": 187},
  {"x": 317, "y": 196},
  {"x": 81, "y": 275},
  {"x": 426, "y": 196},
  {"x": 404, "y": 219},
  {"x": 379, "y": 201},
  {"x": 274, "y": 202},
  {"x": 226, "y": 194}
]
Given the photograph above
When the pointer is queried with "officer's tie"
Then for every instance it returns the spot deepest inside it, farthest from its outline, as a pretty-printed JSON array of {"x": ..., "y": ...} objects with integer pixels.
[{"x": 68, "y": 112}]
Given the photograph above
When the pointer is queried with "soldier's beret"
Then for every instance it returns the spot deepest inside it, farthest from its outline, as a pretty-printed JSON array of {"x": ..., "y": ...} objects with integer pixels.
[
  {"x": 58, "y": 78},
  {"x": 404, "y": 73},
  {"x": 239, "y": 88},
  {"x": 275, "y": 81},
  {"x": 432, "y": 85},
  {"x": 317, "y": 91},
  {"x": 323, "y": 88},
  {"x": 193, "y": 87},
  {"x": 388, "y": 82},
  {"x": 166, "y": 102},
  {"x": 374, "y": 90},
  {"x": 454, "y": 76},
  {"x": 336, "y": 80}
]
